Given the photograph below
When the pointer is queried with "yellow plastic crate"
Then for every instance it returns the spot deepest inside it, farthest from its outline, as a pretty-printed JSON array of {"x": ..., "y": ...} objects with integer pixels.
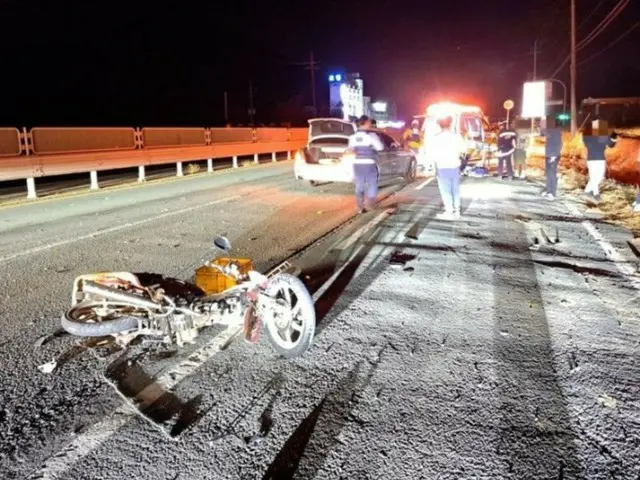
[{"x": 212, "y": 281}]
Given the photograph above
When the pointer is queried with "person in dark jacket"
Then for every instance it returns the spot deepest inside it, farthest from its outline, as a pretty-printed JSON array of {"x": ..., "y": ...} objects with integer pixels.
[
  {"x": 552, "y": 149},
  {"x": 507, "y": 143}
]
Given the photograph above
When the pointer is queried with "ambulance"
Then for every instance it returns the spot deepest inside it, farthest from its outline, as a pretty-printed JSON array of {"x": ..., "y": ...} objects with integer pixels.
[{"x": 468, "y": 120}]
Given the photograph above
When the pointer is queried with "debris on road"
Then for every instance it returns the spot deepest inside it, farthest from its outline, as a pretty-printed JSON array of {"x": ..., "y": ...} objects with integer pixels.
[
  {"x": 401, "y": 259},
  {"x": 48, "y": 367},
  {"x": 607, "y": 401}
]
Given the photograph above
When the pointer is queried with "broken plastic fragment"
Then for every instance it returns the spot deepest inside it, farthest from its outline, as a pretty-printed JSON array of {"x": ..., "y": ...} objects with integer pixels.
[
  {"x": 607, "y": 401},
  {"x": 48, "y": 367}
]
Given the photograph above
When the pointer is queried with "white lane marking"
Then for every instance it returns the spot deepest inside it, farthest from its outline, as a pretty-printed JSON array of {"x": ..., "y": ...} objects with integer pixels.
[
  {"x": 325, "y": 286},
  {"x": 116, "y": 228},
  {"x": 81, "y": 446},
  {"x": 353, "y": 238},
  {"x": 425, "y": 183},
  {"x": 609, "y": 250}
]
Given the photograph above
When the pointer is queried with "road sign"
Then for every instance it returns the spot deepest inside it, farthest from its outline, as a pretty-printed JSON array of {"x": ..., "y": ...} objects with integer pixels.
[{"x": 508, "y": 104}]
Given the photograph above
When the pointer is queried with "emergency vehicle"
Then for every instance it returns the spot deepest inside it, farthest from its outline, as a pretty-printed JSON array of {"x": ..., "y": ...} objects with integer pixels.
[{"x": 468, "y": 120}]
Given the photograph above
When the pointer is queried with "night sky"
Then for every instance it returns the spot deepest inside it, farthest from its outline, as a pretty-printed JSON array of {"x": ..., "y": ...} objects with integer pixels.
[{"x": 144, "y": 63}]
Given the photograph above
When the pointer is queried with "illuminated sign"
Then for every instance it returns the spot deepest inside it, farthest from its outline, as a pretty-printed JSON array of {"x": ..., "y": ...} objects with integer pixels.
[
  {"x": 379, "y": 107},
  {"x": 534, "y": 100}
]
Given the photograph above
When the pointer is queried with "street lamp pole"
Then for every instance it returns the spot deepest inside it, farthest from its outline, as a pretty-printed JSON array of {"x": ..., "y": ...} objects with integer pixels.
[{"x": 564, "y": 97}]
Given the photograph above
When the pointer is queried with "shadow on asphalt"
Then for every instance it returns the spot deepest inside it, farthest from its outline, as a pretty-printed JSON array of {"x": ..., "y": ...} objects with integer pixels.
[
  {"x": 306, "y": 450},
  {"x": 535, "y": 431},
  {"x": 167, "y": 411}
]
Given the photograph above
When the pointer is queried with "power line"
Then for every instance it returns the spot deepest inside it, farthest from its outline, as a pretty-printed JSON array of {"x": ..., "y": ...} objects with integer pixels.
[
  {"x": 633, "y": 27},
  {"x": 616, "y": 11},
  {"x": 613, "y": 14},
  {"x": 593, "y": 11}
]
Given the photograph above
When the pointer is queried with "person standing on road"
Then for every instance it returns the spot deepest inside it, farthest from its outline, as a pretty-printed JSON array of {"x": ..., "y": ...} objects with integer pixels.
[
  {"x": 447, "y": 148},
  {"x": 413, "y": 136},
  {"x": 365, "y": 146},
  {"x": 552, "y": 150},
  {"x": 507, "y": 143},
  {"x": 596, "y": 165}
]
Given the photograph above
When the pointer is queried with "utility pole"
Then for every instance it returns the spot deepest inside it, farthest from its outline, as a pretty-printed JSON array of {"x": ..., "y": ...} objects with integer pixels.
[
  {"x": 574, "y": 108},
  {"x": 535, "y": 73},
  {"x": 252, "y": 110},
  {"x": 535, "y": 59},
  {"x": 312, "y": 66}
]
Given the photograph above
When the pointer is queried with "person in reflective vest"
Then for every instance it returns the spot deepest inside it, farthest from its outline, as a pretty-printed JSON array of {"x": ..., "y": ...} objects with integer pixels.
[
  {"x": 365, "y": 146},
  {"x": 507, "y": 143},
  {"x": 412, "y": 136}
]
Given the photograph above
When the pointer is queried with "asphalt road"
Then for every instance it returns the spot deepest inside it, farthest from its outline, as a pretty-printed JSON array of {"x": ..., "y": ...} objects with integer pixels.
[{"x": 495, "y": 352}]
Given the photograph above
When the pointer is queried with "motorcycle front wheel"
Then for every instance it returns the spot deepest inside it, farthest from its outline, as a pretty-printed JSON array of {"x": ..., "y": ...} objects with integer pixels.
[{"x": 291, "y": 333}]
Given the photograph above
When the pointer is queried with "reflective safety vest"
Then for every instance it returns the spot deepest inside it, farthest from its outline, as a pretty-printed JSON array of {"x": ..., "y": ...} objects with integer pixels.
[{"x": 365, "y": 146}]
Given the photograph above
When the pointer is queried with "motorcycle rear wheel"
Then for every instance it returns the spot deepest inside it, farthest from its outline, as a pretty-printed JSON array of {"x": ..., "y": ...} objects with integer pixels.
[
  {"x": 291, "y": 337},
  {"x": 81, "y": 320}
]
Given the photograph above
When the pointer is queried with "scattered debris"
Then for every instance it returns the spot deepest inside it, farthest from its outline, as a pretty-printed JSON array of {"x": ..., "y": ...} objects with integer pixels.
[
  {"x": 408, "y": 269},
  {"x": 400, "y": 258},
  {"x": 48, "y": 367},
  {"x": 607, "y": 401}
]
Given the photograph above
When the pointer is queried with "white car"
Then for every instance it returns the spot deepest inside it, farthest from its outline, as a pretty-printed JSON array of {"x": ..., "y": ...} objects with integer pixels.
[{"x": 325, "y": 158}]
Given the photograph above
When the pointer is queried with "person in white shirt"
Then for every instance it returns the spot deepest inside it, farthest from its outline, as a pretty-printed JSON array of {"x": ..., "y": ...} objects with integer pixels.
[
  {"x": 447, "y": 148},
  {"x": 365, "y": 145}
]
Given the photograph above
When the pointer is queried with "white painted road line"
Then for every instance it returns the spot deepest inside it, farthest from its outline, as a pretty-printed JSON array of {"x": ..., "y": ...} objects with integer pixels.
[
  {"x": 358, "y": 234},
  {"x": 353, "y": 238},
  {"x": 609, "y": 250},
  {"x": 117, "y": 228},
  {"x": 425, "y": 183}
]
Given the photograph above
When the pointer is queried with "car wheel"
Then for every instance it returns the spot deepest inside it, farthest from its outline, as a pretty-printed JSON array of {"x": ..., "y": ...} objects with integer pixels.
[{"x": 412, "y": 171}]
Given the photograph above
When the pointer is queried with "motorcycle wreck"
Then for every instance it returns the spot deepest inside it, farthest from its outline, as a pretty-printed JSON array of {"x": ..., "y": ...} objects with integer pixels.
[{"x": 225, "y": 291}]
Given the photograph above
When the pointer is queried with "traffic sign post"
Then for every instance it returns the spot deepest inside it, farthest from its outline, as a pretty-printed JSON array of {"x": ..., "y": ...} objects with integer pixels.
[{"x": 508, "y": 105}]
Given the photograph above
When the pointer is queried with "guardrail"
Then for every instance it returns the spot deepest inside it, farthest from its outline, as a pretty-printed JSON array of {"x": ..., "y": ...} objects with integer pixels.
[{"x": 43, "y": 152}]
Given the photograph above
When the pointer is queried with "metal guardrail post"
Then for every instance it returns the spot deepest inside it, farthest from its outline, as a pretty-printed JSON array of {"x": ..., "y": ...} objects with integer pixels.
[
  {"x": 94, "y": 181},
  {"x": 31, "y": 189},
  {"x": 32, "y": 194},
  {"x": 138, "y": 139},
  {"x": 235, "y": 161},
  {"x": 209, "y": 165},
  {"x": 179, "y": 169},
  {"x": 141, "y": 177},
  {"x": 255, "y": 158}
]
